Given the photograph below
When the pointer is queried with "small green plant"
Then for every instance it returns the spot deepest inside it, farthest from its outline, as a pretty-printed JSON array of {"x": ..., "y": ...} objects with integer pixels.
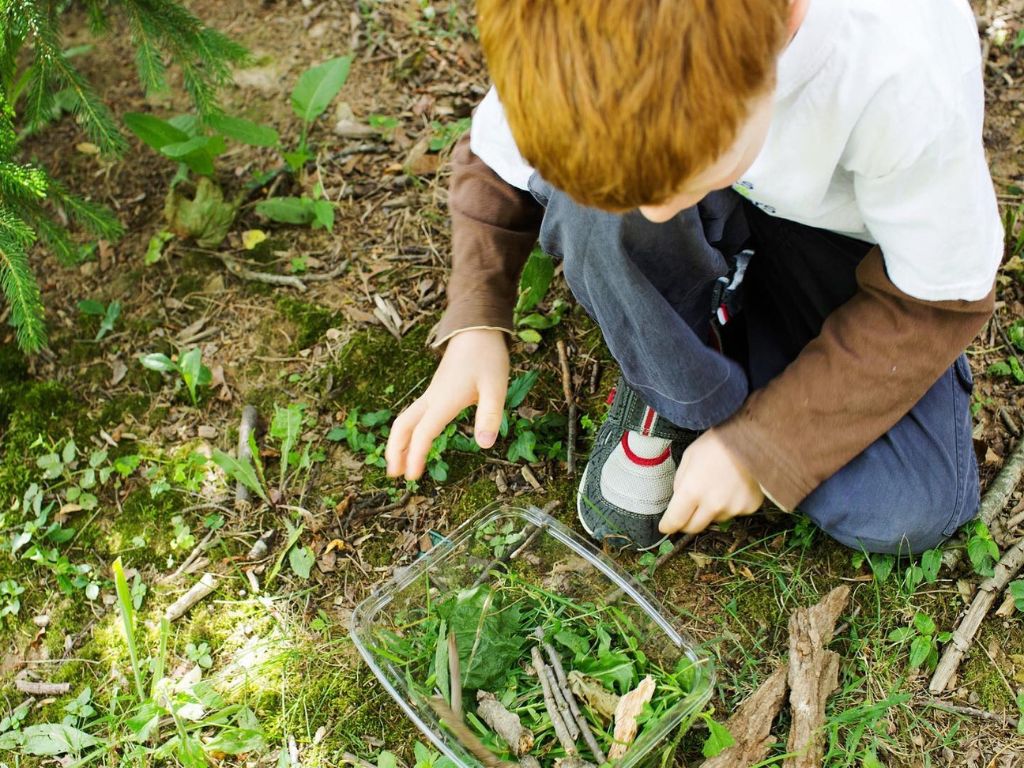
[
  {"x": 80, "y": 708},
  {"x": 108, "y": 314},
  {"x": 924, "y": 642},
  {"x": 444, "y": 135},
  {"x": 1016, "y": 590},
  {"x": 189, "y": 366},
  {"x": 534, "y": 283},
  {"x": 313, "y": 93},
  {"x": 10, "y": 590},
  {"x": 199, "y": 654},
  {"x": 982, "y": 550},
  {"x": 183, "y": 540},
  {"x": 315, "y": 212}
]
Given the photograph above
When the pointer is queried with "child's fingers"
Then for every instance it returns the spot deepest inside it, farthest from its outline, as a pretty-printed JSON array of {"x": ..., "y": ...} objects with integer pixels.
[
  {"x": 700, "y": 519},
  {"x": 681, "y": 508},
  {"x": 401, "y": 433},
  {"x": 489, "y": 411},
  {"x": 435, "y": 418}
]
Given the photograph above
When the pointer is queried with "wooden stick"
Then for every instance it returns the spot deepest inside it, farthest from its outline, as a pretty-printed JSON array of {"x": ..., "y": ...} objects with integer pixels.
[
  {"x": 1007, "y": 567},
  {"x": 563, "y": 706},
  {"x": 981, "y": 714},
  {"x": 199, "y": 590},
  {"x": 504, "y": 723},
  {"x": 549, "y": 703},
  {"x": 530, "y": 532},
  {"x": 468, "y": 739},
  {"x": 35, "y": 688},
  {"x": 996, "y": 497},
  {"x": 250, "y": 416},
  {"x": 570, "y": 401},
  {"x": 455, "y": 675}
]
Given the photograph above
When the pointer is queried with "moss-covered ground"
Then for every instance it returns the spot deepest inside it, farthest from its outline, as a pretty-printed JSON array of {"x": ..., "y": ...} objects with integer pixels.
[{"x": 272, "y": 639}]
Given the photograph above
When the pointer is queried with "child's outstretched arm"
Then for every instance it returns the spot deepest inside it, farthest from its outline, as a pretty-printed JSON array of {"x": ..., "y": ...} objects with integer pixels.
[{"x": 494, "y": 227}]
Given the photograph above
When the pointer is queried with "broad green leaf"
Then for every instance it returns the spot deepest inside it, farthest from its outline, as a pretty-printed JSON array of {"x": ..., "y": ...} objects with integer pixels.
[
  {"x": 237, "y": 741},
  {"x": 529, "y": 335},
  {"x": 523, "y": 446},
  {"x": 901, "y": 634},
  {"x": 245, "y": 131},
  {"x": 924, "y": 623},
  {"x": 91, "y": 307},
  {"x": 323, "y": 215},
  {"x": 881, "y": 566},
  {"x": 919, "y": 650},
  {"x": 109, "y": 318},
  {"x": 51, "y": 739},
  {"x": 489, "y": 636},
  {"x": 157, "y": 361},
  {"x": 613, "y": 669},
  {"x": 242, "y": 472},
  {"x": 519, "y": 388},
  {"x": 931, "y": 563},
  {"x": 718, "y": 739},
  {"x": 441, "y": 672},
  {"x": 301, "y": 560},
  {"x": 318, "y": 86},
  {"x": 578, "y": 645},
  {"x": 286, "y": 427},
  {"x": 287, "y": 210},
  {"x": 153, "y": 131},
  {"x": 1016, "y": 590},
  {"x": 535, "y": 280},
  {"x": 388, "y": 760},
  {"x": 194, "y": 373}
]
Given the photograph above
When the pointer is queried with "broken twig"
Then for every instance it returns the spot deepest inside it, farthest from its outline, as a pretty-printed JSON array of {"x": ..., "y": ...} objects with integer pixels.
[
  {"x": 563, "y": 683},
  {"x": 455, "y": 675},
  {"x": 250, "y": 416},
  {"x": 183, "y": 604},
  {"x": 1007, "y": 567},
  {"x": 995, "y": 499},
  {"x": 504, "y": 723},
  {"x": 35, "y": 688},
  {"x": 570, "y": 401}
]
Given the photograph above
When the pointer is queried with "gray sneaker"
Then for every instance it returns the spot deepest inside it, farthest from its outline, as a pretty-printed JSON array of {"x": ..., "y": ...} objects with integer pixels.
[{"x": 627, "y": 483}]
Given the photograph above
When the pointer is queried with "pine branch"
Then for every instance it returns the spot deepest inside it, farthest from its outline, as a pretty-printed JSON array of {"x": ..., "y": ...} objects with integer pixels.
[
  {"x": 21, "y": 290},
  {"x": 96, "y": 218}
]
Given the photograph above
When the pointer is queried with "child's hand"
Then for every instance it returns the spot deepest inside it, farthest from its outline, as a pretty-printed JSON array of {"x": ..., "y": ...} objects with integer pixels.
[
  {"x": 473, "y": 371},
  {"x": 710, "y": 486}
]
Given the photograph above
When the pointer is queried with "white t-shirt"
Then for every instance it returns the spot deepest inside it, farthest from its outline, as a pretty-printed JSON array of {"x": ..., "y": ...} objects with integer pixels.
[{"x": 877, "y": 134}]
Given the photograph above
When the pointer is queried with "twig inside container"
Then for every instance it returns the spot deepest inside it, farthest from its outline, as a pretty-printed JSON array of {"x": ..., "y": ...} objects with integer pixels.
[
  {"x": 504, "y": 723},
  {"x": 466, "y": 737},
  {"x": 529, "y": 533},
  {"x": 455, "y": 675},
  {"x": 557, "y": 722}
]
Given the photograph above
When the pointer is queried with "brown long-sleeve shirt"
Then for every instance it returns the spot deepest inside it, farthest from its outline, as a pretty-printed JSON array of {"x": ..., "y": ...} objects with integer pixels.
[{"x": 874, "y": 359}]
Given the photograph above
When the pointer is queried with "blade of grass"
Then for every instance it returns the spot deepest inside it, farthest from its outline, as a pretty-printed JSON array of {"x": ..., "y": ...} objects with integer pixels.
[{"x": 124, "y": 600}]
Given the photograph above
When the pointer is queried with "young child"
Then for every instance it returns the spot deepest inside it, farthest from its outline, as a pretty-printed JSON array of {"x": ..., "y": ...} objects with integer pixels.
[{"x": 826, "y": 152}]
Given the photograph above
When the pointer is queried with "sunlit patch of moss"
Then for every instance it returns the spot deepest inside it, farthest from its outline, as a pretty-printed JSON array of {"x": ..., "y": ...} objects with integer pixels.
[
  {"x": 375, "y": 371},
  {"x": 311, "y": 321}
]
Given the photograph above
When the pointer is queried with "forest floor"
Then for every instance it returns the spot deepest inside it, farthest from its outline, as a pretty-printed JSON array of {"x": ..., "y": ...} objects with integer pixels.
[{"x": 347, "y": 353}]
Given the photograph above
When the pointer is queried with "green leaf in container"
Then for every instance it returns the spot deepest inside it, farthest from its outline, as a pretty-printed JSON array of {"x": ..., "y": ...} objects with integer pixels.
[
  {"x": 489, "y": 635},
  {"x": 245, "y": 131},
  {"x": 612, "y": 669},
  {"x": 318, "y": 86}
]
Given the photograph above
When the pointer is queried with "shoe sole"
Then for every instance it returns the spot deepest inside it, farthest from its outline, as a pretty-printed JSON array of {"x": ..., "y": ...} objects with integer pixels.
[{"x": 583, "y": 522}]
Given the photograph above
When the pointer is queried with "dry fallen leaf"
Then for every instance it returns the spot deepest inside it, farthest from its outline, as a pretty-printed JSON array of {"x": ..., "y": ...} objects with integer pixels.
[{"x": 626, "y": 713}]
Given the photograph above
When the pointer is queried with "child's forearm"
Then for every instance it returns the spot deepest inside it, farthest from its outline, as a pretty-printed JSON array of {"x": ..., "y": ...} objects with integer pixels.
[
  {"x": 494, "y": 227},
  {"x": 875, "y": 358}
]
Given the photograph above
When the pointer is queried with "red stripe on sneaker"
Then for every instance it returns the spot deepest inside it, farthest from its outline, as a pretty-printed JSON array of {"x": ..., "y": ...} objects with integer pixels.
[
  {"x": 640, "y": 460},
  {"x": 648, "y": 421},
  {"x": 611, "y": 396}
]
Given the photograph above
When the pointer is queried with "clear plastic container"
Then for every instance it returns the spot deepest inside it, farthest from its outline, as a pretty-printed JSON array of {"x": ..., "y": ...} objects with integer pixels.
[{"x": 536, "y": 548}]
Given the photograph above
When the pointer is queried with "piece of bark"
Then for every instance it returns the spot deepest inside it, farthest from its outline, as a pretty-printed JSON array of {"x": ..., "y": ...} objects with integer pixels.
[
  {"x": 573, "y": 762},
  {"x": 813, "y": 676},
  {"x": 250, "y": 416},
  {"x": 504, "y": 723},
  {"x": 198, "y": 591},
  {"x": 598, "y": 698},
  {"x": 751, "y": 725},
  {"x": 35, "y": 688},
  {"x": 549, "y": 703},
  {"x": 529, "y": 761},
  {"x": 1007, "y": 567},
  {"x": 626, "y": 714},
  {"x": 466, "y": 737}
]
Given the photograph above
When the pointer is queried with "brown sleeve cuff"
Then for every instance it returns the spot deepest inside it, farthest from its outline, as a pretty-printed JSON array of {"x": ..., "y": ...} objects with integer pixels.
[
  {"x": 874, "y": 359},
  {"x": 494, "y": 228}
]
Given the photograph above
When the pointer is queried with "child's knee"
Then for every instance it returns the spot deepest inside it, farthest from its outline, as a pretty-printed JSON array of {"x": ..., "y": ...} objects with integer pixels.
[{"x": 896, "y": 515}]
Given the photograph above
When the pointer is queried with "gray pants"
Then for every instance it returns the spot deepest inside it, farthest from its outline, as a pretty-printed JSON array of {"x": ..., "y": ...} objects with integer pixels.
[{"x": 648, "y": 287}]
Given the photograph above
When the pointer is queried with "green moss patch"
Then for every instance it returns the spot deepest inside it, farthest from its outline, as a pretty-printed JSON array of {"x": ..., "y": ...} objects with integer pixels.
[{"x": 311, "y": 321}]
